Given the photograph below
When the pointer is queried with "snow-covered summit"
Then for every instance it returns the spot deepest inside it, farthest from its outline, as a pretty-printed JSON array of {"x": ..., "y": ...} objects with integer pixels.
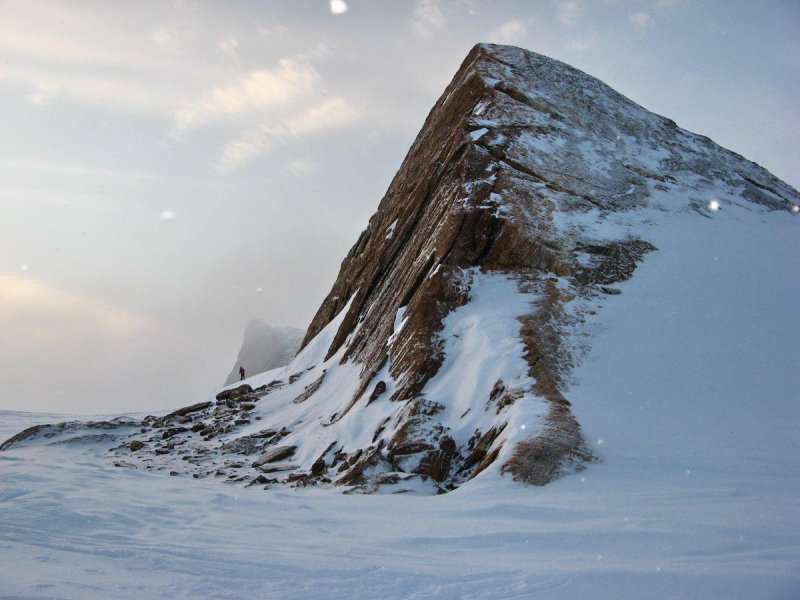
[
  {"x": 580, "y": 131},
  {"x": 446, "y": 349}
]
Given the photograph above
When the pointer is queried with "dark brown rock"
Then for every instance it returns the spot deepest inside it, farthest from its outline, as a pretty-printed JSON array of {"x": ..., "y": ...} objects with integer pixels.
[
  {"x": 310, "y": 389},
  {"x": 436, "y": 463},
  {"x": 355, "y": 474},
  {"x": 482, "y": 447},
  {"x": 187, "y": 410},
  {"x": 23, "y": 435},
  {"x": 274, "y": 455},
  {"x": 380, "y": 388},
  {"x": 172, "y": 431},
  {"x": 612, "y": 263},
  {"x": 319, "y": 468},
  {"x": 276, "y": 467},
  {"x": 242, "y": 390}
]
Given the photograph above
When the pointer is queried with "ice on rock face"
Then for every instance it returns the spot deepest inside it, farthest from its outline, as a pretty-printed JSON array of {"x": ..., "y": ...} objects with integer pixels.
[
  {"x": 390, "y": 230},
  {"x": 478, "y": 134}
]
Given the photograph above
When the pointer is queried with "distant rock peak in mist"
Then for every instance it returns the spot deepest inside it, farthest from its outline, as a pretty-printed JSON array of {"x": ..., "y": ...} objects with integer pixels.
[{"x": 265, "y": 348}]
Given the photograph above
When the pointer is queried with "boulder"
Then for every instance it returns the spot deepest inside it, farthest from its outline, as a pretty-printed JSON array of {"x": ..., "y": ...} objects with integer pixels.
[
  {"x": 276, "y": 454},
  {"x": 237, "y": 392}
]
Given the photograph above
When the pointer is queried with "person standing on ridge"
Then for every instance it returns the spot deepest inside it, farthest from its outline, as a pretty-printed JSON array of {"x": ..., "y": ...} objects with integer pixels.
[{"x": 241, "y": 373}]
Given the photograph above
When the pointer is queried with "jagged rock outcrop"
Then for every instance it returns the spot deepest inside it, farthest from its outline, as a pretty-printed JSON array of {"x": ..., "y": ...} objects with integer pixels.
[
  {"x": 265, "y": 348},
  {"x": 444, "y": 349}
]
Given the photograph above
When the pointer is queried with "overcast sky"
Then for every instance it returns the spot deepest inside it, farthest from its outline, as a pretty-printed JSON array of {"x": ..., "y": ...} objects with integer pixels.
[{"x": 171, "y": 170}]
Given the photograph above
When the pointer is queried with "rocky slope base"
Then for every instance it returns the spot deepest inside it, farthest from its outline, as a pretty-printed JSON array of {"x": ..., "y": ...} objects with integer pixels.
[{"x": 445, "y": 346}]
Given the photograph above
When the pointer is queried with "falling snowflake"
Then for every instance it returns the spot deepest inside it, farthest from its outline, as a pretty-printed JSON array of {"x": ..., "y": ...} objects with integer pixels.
[
  {"x": 168, "y": 215},
  {"x": 713, "y": 205},
  {"x": 259, "y": 289},
  {"x": 795, "y": 209},
  {"x": 338, "y": 7},
  {"x": 23, "y": 267}
]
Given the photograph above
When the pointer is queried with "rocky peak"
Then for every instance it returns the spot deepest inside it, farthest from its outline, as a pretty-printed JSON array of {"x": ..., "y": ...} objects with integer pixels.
[
  {"x": 516, "y": 159},
  {"x": 444, "y": 348}
]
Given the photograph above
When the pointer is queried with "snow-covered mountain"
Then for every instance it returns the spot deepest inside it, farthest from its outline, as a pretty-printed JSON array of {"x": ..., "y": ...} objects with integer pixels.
[
  {"x": 446, "y": 349},
  {"x": 265, "y": 348}
]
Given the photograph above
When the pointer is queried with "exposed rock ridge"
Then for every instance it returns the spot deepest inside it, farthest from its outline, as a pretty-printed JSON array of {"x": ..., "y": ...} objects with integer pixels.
[
  {"x": 515, "y": 138},
  {"x": 527, "y": 196}
]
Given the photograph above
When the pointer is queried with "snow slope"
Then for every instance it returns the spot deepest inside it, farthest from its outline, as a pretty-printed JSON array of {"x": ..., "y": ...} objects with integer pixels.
[{"x": 695, "y": 497}]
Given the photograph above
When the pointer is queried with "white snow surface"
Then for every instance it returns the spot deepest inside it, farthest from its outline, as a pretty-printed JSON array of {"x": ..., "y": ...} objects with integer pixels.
[
  {"x": 478, "y": 133},
  {"x": 481, "y": 347},
  {"x": 689, "y": 395},
  {"x": 390, "y": 230}
]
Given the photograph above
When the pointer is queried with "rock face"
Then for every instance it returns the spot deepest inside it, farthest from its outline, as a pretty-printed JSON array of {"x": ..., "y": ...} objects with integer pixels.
[
  {"x": 265, "y": 348},
  {"x": 444, "y": 349}
]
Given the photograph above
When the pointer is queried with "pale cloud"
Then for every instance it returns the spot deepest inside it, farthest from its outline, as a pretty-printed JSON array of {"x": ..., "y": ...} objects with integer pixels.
[
  {"x": 640, "y": 19},
  {"x": 166, "y": 38},
  {"x": 292, "y": 79},
  {"x": 67, "y": 53},
  {"x": 18, "y": 35},
  {"x": 277, "y": 31},
  {"x": 39, "y": 95},
  {"x": 512, "y": 32},
  {"x": 427, "y": 18},
  {"x": 327, "y": 116},
  {"x": 300, "y": 167},
  {"x": 580, "y": 44},
  {"x": 229, "y": 47},
  {"x": 114, "y": 93},
  {"x": 83, "y": 37},
  {"x": 25, "y": 301},
  {"x": 568, "y": 11}
]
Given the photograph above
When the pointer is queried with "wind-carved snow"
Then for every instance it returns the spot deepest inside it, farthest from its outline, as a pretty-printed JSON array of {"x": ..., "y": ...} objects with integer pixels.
[
  {"x": 482, "y": 347},
  {"x": 399, "y": 322},
  {"x": 390, "y": 230},
  {"x": 478, "y": 134}
]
